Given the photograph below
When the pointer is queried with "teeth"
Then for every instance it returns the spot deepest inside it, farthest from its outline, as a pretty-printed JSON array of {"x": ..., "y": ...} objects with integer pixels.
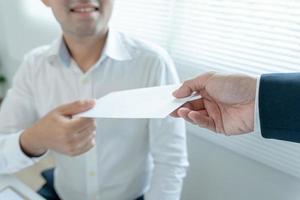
[{"x": 84, "y": 10}]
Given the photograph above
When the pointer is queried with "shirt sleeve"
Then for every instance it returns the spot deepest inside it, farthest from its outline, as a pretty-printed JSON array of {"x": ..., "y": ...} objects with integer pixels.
[
  {"x": 257, "y": 128},
  {"x": 17, "y": 113},
  {"x": 168, "y": 147}
]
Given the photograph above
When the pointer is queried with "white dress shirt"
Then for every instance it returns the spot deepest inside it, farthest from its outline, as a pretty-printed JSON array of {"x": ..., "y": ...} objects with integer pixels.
[
  {"x": 256, "y": 112},
  {"x": 132, "y": 156}
]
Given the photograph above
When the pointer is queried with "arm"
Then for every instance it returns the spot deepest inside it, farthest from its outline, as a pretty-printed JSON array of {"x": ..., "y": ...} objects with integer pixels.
[
  {"x": 168, "y": 146},
  {"x": 228, "y": 103},
  {"x": 23, "y": 136},
  {"x": 279, "y": 106},
  {"x": 17, "y": 112}
]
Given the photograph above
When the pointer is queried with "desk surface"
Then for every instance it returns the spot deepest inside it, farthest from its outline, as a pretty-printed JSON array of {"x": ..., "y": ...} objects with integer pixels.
[{"x": 9, "y": 180}]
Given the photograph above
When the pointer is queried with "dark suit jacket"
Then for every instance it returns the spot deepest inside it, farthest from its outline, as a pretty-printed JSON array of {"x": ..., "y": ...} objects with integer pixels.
[{"x": 279, "y": 106}]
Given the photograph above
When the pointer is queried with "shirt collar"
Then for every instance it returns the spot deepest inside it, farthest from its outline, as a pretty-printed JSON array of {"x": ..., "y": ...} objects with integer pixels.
[
  {"x": 59, "y": 52},
  {"x": 115, "y": 48}
]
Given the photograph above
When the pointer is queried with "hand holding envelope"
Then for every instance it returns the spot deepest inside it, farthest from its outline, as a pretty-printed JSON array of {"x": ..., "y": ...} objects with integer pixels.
[
  {"x": 152, "y": 102},
  {"x": 227, "y": 103}
]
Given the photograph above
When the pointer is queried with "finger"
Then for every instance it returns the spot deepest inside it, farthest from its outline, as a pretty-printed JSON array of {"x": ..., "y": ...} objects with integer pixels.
[
  {"x": 76, "y": 107},
  {"x": 91, "y": 126},
  {"x": 192, "y": 105},
  {"x": 78, "y": 124},
  {"x": 192, "y": 85},
  {"x": 195, "y": 105},
  {"x": 87, "y": 146},
  {"x": 80, "y": 136},
  {"x": 83, "y": 140},
  {"x": 215, "y": 113},
  {"x": 89, "y": 136},
  {"x": 183, "y": 113},
  {"x": 175, "y": 113},
  {"x": 202, "y": 112},
  {"x": 202, "y": 120}
]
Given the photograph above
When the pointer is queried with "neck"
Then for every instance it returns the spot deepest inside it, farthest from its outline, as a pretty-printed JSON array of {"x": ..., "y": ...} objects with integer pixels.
[{"x": 86, "y": 51}]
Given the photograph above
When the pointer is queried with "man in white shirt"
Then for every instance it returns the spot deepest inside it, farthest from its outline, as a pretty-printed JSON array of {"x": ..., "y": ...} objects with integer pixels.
[{"x": 105, "y": 159}]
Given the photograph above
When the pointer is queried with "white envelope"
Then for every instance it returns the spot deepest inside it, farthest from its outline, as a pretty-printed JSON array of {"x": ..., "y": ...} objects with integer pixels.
[{"x": 152, "y": 102}]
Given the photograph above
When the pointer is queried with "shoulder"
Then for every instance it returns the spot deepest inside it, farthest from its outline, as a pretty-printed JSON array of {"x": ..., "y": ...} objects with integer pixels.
[
  {"x": 37, "y": 58},
  {"x": 152, "y": 57},
  {"x": 138, "y": 47},
  {"x": 35, "y": 61},
  {"x": 38, "y": 54}
]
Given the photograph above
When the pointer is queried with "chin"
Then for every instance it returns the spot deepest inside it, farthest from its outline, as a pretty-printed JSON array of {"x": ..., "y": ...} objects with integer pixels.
[
  {"x": 90, "y": 30},
  {"x": 86, "y": 33}
]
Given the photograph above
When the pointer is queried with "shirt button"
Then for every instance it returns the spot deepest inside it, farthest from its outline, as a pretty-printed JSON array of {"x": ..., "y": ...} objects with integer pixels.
[
  {"x": 92, "y": 173},
  {"x": 84, "y": 80}
]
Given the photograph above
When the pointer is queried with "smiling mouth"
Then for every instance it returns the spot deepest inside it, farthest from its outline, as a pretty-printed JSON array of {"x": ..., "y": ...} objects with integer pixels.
[{"x": 84, "y": 10}]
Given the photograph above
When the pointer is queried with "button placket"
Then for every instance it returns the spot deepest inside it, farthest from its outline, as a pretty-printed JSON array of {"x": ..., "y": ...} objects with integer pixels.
[{"x": 92, "y": 186}]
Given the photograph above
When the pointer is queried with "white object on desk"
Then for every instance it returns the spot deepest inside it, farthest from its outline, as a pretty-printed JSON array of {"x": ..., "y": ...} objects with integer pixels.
[
  {"x": 9, "y": 194},
  {"x": 13, "y": 182}
]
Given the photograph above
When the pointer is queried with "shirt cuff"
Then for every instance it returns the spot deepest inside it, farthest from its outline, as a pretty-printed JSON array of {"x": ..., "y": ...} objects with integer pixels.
[
  {"x": 257, "y": 128},
  {"x": 16, "y": 159}
]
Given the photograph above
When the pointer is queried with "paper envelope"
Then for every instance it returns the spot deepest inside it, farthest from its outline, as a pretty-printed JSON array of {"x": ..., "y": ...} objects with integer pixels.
[{"x": 152, "y": 102}]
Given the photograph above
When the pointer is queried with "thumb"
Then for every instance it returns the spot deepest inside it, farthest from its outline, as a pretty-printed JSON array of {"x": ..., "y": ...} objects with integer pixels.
[
  {"x": 185, "y": 90},
  {"x": 76, "y": 107},
  {"x": 192, "y": 85}
]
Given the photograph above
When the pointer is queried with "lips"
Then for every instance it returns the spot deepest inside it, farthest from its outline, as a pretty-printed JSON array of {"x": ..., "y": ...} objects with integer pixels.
[{"x": 84, "y": 8}]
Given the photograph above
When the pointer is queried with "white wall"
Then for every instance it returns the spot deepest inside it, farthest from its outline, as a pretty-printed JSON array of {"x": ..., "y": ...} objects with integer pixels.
[
  {"x": 19, "y": 33},
  {"x": 215, "y": 173}
]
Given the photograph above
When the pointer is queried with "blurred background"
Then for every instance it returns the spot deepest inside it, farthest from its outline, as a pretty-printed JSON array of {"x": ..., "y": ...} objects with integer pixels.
[{"x": 248, "y": 36}]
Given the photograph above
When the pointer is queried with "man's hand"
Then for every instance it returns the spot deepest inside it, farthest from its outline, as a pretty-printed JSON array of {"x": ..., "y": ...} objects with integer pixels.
[
  {"x": 227, "y": 104},
  {"x": 60, "y": 132}
]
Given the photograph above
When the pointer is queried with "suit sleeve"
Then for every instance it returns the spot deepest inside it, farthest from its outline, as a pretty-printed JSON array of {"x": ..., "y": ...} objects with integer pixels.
[{"x": 279, "y": 106}]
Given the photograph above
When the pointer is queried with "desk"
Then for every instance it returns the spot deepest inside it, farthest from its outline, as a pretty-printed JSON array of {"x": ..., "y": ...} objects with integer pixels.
[{"x": 10, "y": 180}]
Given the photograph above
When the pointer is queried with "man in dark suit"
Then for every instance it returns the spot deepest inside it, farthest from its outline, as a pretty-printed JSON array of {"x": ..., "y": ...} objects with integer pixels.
[{"x": 237, "y": 104}]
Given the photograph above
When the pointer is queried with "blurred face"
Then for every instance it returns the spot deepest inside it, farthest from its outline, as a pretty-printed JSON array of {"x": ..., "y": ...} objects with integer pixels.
[{"x": 82, "y": 18}]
